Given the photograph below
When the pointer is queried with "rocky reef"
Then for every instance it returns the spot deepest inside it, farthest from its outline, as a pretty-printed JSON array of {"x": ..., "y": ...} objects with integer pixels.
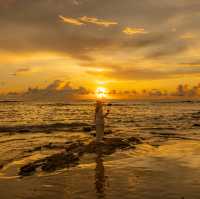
[{"x": 73, "y": 151}]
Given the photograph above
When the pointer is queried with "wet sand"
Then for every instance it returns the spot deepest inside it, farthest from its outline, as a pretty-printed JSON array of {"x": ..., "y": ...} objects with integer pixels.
[{"x": 168, "y": 171}]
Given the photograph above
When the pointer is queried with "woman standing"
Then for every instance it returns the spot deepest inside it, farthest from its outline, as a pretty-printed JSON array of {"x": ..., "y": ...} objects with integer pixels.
[{"x": 99, "y": 120}]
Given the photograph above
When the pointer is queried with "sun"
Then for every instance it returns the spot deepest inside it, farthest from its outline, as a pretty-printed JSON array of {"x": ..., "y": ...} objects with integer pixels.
[{"x": 101, "y": 92}]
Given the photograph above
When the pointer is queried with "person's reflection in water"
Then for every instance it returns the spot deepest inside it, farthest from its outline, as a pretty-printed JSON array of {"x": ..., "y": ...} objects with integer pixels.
[{"x": 100, "y": 178}]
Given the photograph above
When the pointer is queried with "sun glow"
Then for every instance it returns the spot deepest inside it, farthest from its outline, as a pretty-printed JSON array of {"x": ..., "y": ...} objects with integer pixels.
[{"x": 101, "y": 92}]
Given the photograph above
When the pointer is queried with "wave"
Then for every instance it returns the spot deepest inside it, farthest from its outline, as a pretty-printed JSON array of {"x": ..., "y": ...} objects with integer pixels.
[
  {"x": 74, "y": 126},
  {"x": 175, "y": 101},
  {"x": 10, "y": 101}
]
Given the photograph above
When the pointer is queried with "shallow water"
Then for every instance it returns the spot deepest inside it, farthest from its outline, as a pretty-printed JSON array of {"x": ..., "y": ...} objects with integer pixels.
[{"x": 166, "y": 165}]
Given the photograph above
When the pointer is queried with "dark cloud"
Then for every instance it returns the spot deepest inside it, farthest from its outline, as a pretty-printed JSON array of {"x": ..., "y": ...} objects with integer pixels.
[
  {"x": 170, "y": 49},
  {"x": 32, "y": 26},
  {"x": 6, "y": 3},
  {"x": 63, "y": 91},
  {"x": 56, "y": 91},
  {"x": 157, "y": 93},
  {"x": 150, "y": 39},
  {"x": 194, "y": 62},
  {"x": 182, "y": 91},
  {"x": 186, "y": 91},
  {"x": 21, "y": 71},
  {"x": 128, "y": 72}
]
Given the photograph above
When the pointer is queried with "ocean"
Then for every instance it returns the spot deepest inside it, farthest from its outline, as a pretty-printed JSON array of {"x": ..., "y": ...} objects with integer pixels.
[{"x": 167, "y": 160}]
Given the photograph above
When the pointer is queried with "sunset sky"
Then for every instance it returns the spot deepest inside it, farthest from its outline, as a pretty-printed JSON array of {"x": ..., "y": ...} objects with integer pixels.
[{"x": 121, "y": 45}]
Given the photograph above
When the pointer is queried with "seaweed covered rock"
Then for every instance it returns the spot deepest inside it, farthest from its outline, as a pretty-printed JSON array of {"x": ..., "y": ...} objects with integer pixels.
[
  {"x": 107, "y": 132},
  {"x": 134, "y": 140},
  {"x": 73, "y": 152},
  {"x": 59, "y": 161},
  {"x": 28, "y": 169},
  {"x": 87, "y": 129},
  {"x": 1, "y": 166},
  {"x": 51, "y": 163},
  {"x": 76, "y": 147},
  {"x": 109, "y": 145}
]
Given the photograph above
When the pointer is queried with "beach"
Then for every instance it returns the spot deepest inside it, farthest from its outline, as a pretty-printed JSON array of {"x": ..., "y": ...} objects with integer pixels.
[{"x": 163, "y": 164}]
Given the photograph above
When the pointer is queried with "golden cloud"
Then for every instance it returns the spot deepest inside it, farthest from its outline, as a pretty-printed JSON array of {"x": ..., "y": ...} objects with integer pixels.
[
  {"x": 187, "y": 35},
  {"x": 96, "y": 21},
  {"x": 87, "y": 20},
  {"x": 70, "y": 20},
  {"x": 133, "y": 31}
]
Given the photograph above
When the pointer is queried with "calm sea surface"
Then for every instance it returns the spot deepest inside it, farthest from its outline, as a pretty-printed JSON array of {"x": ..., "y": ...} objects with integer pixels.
[{"x": 126, "y": 117}]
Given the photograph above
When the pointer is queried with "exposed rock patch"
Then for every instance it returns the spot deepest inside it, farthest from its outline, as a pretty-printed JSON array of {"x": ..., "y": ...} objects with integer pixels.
[{"x": 73, "y": 152}]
